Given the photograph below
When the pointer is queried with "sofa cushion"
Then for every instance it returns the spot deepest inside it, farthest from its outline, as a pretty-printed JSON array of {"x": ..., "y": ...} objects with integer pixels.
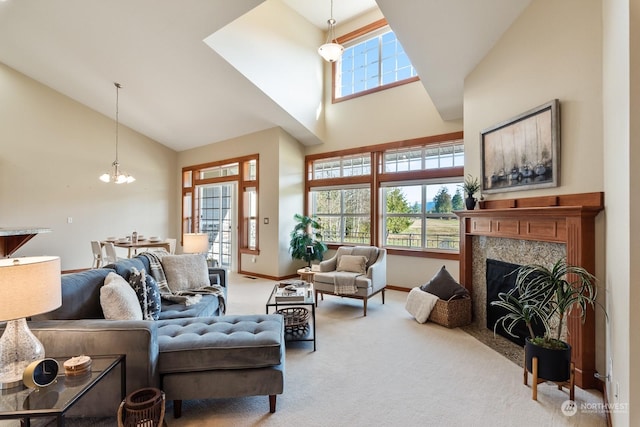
[
  {"x": 222, "y": 342},
  {"x": 119, "y": 300},
  {"x": 444, "y": 286},
  {"x": 185, "y": 271},
  {"x": 207, "y": 306},
  {"x": 352, "y": 264},
  {"x": 146, "y": 289}
]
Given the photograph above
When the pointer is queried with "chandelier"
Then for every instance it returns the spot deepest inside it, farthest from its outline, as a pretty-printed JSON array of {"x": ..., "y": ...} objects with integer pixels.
[
  {"x": 117, "y": 176},
  {"x": 331, "y": 51}
]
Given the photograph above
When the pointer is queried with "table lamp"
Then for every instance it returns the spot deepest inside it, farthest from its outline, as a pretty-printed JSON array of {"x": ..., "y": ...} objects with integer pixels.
[
  {"x": 28, "y": 286},
  {"x": 309, "y": 252},
  {"x": 195, "y": 243}
]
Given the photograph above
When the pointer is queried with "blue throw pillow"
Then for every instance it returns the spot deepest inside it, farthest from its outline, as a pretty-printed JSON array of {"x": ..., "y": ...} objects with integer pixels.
[{"x": 146, "y": 289}]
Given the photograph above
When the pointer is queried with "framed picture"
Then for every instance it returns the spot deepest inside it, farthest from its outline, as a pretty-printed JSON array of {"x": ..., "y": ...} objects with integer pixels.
[{"x": 522, "y": 153}]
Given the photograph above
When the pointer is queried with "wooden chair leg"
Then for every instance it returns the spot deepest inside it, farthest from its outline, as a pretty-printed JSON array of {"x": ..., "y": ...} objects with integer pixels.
[
  {"x": 177, "y": 408},
  {"x": 272, "y": 403},
  {"x": 365, "y": 306},
  {"x": 534, "y": 365},
  {"x": 382, "y": 296},
  {"x": 572, "y": 384}
]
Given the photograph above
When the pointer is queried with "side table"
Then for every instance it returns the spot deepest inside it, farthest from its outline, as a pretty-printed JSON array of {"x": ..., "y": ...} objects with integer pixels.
[
  {"x": 307, "y": 275},
  {"x": 56, "y": 399}
]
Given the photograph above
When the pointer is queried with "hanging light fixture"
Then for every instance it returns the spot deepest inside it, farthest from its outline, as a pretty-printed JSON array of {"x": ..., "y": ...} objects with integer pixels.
[
  {"x": 117, "y": 176},
  {"x": 331, "y": 50}
]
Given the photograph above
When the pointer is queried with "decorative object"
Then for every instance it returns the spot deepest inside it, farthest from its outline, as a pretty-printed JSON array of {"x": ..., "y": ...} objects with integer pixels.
[
  {"x": 331, "y": 50},
  {"x": 470, "y": 187},
  {"x": 117, "y": 176},
  {"x": 144, "y": 408},
  {"x": 28, "y": 286},
  {"x": 195, "y": 243},
  {"x": 309, "y": 252},
  {"x": 546, "y": 296},
  {"x": 307, "y": 233},
  {"x": 522, "y": 153},
  {"x": 40, "y": 373},
  {"x": 78, "y": 365}
]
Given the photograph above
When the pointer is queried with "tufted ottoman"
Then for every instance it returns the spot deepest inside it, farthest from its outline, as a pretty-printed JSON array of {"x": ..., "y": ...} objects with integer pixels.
[{"x": 221, "y": 357}]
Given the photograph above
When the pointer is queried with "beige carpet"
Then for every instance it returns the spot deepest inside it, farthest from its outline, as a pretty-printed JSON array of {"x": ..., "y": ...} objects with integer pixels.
[{"x": 384, "y": 370}]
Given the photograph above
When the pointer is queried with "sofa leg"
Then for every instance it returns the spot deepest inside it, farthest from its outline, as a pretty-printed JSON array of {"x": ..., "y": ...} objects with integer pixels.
[
  {"x": 272, "y": 403},
  {"x": 365, "y": 306},
  {"x": 383, "y": 295},
  {"x": 177, "y": 408}
]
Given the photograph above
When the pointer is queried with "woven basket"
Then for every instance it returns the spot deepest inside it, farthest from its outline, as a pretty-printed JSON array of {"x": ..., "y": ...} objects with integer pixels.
[
  {"x": 142, "y": 408},
  {"x": 452, "y": 313},
  {"x": 296, "y": 321}
]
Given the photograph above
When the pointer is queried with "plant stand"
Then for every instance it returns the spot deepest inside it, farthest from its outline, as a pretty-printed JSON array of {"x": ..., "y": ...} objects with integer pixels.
[{"x": 570, "y": 384}]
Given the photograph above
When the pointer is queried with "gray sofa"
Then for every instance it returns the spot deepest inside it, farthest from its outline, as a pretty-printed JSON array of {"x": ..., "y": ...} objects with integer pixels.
[{"x": 191, "y": 352}]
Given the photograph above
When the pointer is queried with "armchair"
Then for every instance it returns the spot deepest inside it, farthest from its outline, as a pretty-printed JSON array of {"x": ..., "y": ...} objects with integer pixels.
[{"x": 353, "y": 272}]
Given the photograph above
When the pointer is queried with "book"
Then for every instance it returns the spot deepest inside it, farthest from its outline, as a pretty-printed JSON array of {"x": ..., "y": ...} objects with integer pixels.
[{"x": 289, "y": 295}]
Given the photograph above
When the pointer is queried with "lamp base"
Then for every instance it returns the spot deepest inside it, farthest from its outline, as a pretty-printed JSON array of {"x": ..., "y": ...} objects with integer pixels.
[{"x": 18, "y": 348}]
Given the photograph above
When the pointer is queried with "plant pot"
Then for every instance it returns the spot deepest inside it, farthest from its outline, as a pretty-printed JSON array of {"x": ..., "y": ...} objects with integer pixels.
[
  {"x": 553, "y": 364},
  {"x": 470, "y": 203}
]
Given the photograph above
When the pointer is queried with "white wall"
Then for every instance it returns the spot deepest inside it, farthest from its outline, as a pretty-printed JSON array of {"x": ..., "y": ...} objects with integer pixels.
[
  {"x": 621, "y": 65},
  {"x": 52, "y": 150}
]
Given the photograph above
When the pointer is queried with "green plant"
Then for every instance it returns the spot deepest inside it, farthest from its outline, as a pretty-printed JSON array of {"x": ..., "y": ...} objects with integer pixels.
[
  {"x": 541, "y": 294},
  {"x": 471, "y": 185},
  {"x": 306, "y": 233}
]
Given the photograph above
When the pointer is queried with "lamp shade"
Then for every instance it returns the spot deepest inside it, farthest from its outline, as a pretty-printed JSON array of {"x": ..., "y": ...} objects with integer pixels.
[
  {"x": 195, "y": 243},
  {"x": 331, "y": 52},
  {"x": 29, "y": 286}
]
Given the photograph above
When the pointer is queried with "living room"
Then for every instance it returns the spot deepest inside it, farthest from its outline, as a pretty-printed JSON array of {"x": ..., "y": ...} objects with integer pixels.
[{"x": 54, "y": 148}]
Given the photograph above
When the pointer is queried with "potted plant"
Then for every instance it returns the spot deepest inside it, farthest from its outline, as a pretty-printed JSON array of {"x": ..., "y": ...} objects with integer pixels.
[
  {"x": 306, "y": 238},
  {"x": 470, "y": 187},
  {"x": 545, "y": 297}
]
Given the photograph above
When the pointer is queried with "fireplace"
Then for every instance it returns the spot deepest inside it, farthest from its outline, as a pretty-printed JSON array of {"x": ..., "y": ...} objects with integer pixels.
[
  {"x": 501, "y": 277},
  {"x": 503, "y": 230}
]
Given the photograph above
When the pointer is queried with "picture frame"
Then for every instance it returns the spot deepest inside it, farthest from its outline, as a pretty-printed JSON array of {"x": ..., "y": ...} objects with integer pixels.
[{"x": 523, "y": 152}]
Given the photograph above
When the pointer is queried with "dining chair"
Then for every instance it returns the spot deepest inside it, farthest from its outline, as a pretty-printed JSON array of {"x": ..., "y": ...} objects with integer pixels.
[
  {"x": 98, "y": 256},
  {"x": 172, "y": 246},
  {"x": 110, "y": 253}
]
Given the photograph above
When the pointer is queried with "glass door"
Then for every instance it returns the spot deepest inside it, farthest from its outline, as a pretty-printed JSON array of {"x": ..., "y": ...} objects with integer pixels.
[{"x": 216, "y": 204}]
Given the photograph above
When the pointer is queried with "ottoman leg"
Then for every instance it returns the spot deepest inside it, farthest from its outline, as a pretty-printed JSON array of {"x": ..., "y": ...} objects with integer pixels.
[
  {"x": 177, "y": 408},
  {"x": 272, "y": 403}
]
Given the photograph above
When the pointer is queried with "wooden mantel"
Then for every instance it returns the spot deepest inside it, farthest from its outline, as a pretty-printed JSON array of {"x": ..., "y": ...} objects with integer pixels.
[{"x": 568, "y": 219}]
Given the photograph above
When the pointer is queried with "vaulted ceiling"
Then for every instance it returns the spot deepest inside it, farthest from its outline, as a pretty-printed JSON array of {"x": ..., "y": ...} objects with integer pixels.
[{"x": 184, "y": 93}]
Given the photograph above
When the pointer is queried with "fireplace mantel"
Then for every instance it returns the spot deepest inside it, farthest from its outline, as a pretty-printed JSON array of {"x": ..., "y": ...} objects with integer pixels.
[{"x": 567, "y": 219}]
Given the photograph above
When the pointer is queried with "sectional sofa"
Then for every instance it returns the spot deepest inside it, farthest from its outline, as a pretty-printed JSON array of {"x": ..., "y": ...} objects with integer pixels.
[{"x": 190, "y": 352}]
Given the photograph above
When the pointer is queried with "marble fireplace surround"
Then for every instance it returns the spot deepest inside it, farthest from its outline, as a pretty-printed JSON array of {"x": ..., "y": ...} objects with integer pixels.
[{"x": 549, "y": 227}]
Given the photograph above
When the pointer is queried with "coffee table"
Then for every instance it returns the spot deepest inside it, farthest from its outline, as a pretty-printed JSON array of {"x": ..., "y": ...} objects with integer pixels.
[
  {"x": 56, "y": 399},
  {"x": 292, "y": 316}
]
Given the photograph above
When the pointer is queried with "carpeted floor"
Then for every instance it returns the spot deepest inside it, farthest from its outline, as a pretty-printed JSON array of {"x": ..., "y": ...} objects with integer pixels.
[{"x": 384, "y": 370}]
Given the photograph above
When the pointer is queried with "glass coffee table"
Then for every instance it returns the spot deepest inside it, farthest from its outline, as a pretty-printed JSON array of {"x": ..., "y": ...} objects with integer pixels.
[
  {"x": 56, "y": 399},
  {"x": 299, "y": 320}
]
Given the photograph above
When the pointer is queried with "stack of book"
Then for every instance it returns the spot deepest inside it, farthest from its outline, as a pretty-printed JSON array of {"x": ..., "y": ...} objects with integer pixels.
[{"x": 290, "y": 293}]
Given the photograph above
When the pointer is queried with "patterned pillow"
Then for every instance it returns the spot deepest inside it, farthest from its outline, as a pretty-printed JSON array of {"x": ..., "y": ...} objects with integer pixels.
[{"x": 146, "y": 289}]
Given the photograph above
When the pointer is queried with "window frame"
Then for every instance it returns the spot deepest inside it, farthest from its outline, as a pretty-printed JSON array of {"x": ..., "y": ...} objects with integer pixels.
[
  {"x": 378, "y": 178},
  {"x": 345, "y": 39}
]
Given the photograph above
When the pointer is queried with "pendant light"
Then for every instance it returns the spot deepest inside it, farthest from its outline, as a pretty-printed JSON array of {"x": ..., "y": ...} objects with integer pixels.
[
  {"x": 331, "y": 50},
  {"x": 117, "y": 176}
]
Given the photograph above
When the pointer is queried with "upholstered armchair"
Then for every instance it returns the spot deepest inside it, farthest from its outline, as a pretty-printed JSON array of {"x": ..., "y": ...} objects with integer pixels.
[{"x": 353, "y": 272}]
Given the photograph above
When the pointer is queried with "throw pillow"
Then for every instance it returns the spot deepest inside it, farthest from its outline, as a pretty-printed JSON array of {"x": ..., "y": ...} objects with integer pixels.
[
  {"x": 118, "y": 299},
  {"x": 419, "y": 304},
  {"x": 352, "y": 264},
  {"x": 148, "y": 294},
  {"x": 444, "y": 286},
  {"x": 185, "y": 271}
]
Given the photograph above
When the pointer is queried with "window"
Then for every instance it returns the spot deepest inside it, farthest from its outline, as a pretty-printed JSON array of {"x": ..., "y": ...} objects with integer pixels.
[
  {"x": 345, "y": 214},
  {"x": 399, "y": 195},
  {"x": 372, "y": 60},
  {"x": 420, "y": 216}
]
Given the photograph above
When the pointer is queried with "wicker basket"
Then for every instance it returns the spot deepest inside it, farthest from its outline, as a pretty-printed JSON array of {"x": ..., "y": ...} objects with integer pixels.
[
  {"x": 142, "y": 408},
  {"x": 296, "y": 321},
  {"x": 452, "y": 313}
]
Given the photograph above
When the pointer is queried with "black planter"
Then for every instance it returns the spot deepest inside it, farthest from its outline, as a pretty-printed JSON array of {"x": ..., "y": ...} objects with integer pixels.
[
  {"x": 470, "y": 203},
  {"x": 553, "y": 365}
]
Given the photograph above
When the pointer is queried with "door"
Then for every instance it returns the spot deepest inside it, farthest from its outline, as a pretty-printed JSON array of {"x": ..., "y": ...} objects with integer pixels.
[{"x": 217, "y": 204}]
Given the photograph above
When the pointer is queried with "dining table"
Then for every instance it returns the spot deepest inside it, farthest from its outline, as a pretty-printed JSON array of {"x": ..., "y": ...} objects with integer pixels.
[{"x": 140, "y": 244}]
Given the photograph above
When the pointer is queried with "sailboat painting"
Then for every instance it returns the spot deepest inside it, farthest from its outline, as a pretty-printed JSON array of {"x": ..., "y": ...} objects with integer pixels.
[{"x": 522, "y": 153}]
